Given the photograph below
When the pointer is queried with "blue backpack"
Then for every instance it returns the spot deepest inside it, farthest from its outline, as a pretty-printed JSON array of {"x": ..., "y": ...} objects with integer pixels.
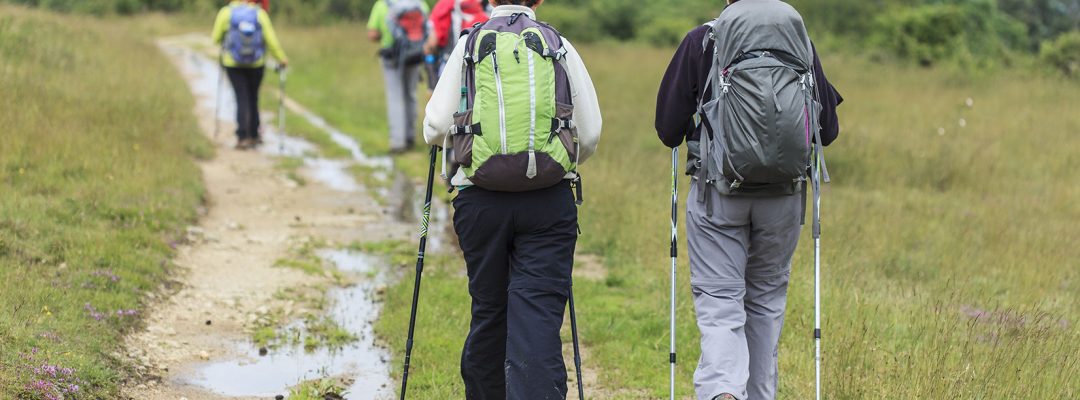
[{"x": 245, "y": 38}]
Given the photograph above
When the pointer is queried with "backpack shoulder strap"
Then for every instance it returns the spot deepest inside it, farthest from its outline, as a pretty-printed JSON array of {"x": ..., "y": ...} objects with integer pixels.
[{"x": 556, "y": 50}]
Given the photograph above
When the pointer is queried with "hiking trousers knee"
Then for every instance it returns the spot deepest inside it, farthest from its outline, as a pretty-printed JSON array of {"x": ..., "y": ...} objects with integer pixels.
[
  {"x": 519, "y": 251},
  {"x": 401, "y": 83},
  {"x": 740, "y": 262},
  {"x": 245, "y": 83}
]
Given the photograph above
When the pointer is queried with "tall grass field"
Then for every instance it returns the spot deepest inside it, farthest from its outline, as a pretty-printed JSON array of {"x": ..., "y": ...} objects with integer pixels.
[
  {"x": 97, "y": 139},
  {"x": 949, "y": 248},
  {"x": 950, "y": 258}
]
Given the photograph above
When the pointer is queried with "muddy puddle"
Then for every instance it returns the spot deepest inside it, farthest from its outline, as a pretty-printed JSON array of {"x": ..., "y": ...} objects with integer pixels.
[{"x": 354, "y": 308}]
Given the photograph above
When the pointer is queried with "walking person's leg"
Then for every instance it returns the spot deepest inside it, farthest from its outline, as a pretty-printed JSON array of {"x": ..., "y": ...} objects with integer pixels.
[
  {"x": 255, "y": 78},
  {"x": 395, "y": 104},
  {"x": 718, "y": 249},
  {"x": 775, "y": 234},
  {"x": 412, "y": 79},
  {"x": 239, "y": 81},
  {"x": 542, "y": 262},
  {"x": 482, "y": 222}
]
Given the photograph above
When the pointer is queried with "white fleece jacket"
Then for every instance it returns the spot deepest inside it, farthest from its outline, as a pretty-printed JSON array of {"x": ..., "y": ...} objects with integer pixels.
[{"x": 446, "y": 98}]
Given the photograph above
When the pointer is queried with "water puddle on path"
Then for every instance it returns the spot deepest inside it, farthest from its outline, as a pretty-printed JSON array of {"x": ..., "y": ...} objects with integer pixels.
[{"x": 354, "y": 309}]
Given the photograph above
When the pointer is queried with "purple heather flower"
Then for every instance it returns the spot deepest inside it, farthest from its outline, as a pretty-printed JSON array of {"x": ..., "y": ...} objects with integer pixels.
[{"x": 49, "y": 370}]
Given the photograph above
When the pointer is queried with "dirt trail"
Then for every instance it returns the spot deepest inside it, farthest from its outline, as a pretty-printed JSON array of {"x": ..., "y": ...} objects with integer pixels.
[{"x": 228, "y": 280}]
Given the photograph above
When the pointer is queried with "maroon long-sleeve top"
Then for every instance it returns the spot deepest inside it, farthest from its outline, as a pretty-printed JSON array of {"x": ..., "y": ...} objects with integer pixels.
[{"x": 686, "y": 77}]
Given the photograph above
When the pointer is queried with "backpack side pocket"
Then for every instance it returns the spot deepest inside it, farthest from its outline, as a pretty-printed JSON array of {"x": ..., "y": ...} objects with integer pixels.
[
  {"x": 567, "y": 131},
  {"x": 462, "y": 138}
]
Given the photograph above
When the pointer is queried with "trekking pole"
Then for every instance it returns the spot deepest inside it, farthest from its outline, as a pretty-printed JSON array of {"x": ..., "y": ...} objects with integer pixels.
[
  {"x": 217, "y": 108},
  {"x": 817, "y": 280},
  {"x": 674, "y": 255},
  {"x": 419, "y": 269},
  {"x": 577, "y": 349},
  {"x": 820, "y": 173},
  {"x": 281, "y": 70}
]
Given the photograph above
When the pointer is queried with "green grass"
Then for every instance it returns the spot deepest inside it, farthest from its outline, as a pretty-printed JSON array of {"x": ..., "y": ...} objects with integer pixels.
[
  {"x": 95, "y": 161},
  {"x": 291, "y": 167},
  {"x": 321, "y": 389},
  {"x": 304, "y": 256},
  {"x": 302, "y": 323},
  {"x": 922, "y": 231}
]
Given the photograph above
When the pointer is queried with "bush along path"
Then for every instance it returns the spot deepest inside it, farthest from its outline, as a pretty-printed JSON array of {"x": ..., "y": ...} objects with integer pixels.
[{"x": 268, "y": 299}]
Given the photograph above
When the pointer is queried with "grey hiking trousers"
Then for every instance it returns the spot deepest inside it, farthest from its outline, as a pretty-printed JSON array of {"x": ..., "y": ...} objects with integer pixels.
[
  {"x": 740, "y": 262},
  {"x": 401, "y": 103}
]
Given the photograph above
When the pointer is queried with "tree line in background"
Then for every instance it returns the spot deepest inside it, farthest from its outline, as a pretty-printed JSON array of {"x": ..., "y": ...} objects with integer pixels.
[{"x": 973, "y": 33}]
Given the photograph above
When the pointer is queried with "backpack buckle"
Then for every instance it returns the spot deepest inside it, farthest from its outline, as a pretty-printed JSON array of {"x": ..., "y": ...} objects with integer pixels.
[
  {"x": 473, "y": 129},
  {"x": 559, "y": 55}
]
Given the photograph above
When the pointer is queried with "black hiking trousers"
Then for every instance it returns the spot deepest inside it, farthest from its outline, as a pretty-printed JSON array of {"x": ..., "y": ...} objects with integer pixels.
[
  {"x": 246, "y": 82},
  {"x": 519, "y": 250}
]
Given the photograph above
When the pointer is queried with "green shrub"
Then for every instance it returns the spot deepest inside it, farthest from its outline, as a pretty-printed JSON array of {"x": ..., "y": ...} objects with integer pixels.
[
  {"x": 573, "y": 23},
  {"x": 1063, "y": 53},
  {"x": 666, "y": 31},
  {"x": 845, "y": 17},
  {"x": 1044, "y": 19},
  {"x": 969, "y": 31}
]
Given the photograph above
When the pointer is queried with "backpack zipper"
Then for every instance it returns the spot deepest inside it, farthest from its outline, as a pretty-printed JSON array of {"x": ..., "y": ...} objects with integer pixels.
[{"x": 502, "y": 102}]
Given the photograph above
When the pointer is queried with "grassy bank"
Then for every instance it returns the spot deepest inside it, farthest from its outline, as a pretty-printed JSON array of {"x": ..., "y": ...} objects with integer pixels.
[
  {"x": 95, "y": 161},
  {"x": 950, "y": 262}
]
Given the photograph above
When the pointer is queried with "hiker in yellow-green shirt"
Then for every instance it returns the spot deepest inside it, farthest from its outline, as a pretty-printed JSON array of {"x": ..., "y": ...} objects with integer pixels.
[
  {"x": 245, "y": 34},
  {"x": 400, "y": 27}
]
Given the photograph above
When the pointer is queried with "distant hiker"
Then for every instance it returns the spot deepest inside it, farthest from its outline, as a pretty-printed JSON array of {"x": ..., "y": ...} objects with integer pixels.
[
  {"x": 244, "y": 32},
  {"x": 518, "y": 127},
  {"x": 448, "y": 19},
  {"x": 750, "y": 71},
  {"x": 400, "y": 26}
]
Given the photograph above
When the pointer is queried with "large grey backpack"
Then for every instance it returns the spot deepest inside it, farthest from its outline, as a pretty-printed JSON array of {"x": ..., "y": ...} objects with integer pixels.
[{"x": 761, "y": 119}]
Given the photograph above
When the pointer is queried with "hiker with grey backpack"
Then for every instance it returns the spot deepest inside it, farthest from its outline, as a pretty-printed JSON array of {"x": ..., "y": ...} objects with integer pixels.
[
  {"x": 765, "y": 109},
  {"x": 245, "y": 34},
  {"x": 401, "y": 28},
  {"x": 516, "y": 114}
]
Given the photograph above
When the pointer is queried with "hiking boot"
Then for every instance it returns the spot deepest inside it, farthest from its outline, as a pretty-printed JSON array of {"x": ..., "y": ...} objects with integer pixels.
[
  {"x": 258, "y": 141},
  {"x": 245, "y": 144}
]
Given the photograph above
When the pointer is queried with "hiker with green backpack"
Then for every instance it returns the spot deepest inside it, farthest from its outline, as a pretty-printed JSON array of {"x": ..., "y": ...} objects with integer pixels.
[
  {"x": 516, "y": 114},
  {"x": 244, "y": 32},
  {"x": 754, "y": 81},
  {"x": 401, "y": 28}
]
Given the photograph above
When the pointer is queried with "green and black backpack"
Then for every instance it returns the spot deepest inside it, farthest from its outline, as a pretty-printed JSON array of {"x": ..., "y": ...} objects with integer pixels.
[{"x": 515, "y": 130}]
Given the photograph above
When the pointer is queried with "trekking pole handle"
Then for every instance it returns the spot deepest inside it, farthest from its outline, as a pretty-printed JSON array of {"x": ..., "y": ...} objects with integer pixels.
[
  {"x": 281, "y": 70},
  {"x": 674, "y": 202}
]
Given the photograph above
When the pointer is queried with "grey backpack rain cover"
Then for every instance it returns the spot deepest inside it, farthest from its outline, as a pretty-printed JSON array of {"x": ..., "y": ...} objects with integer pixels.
[{"x": 762, "y": 115}]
